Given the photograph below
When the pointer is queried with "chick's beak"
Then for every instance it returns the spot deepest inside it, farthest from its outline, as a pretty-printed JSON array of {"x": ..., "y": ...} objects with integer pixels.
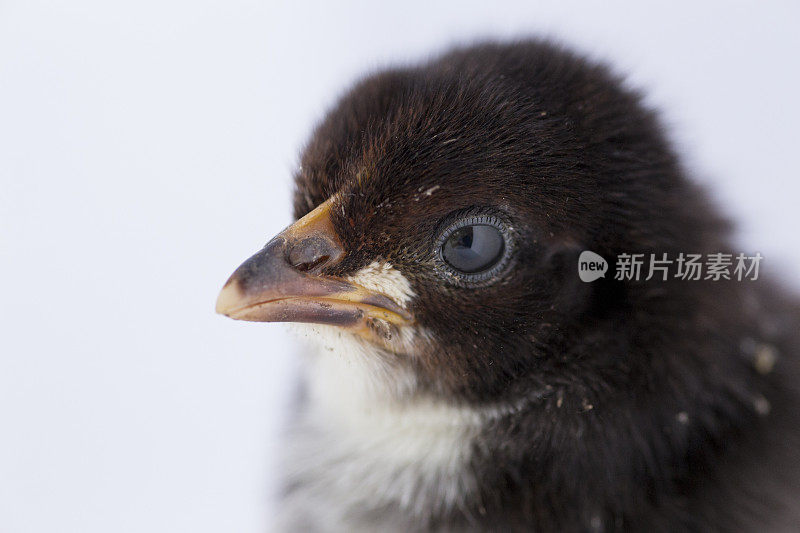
[{"x": 281, "y": 283}]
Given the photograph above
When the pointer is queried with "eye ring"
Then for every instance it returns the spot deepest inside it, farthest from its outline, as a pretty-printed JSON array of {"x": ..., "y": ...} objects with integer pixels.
[{"x": 480, "y": 277}]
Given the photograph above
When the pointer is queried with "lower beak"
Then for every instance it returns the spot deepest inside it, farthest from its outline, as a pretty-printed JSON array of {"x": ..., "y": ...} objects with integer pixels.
[{"x": 268, "y": 288}]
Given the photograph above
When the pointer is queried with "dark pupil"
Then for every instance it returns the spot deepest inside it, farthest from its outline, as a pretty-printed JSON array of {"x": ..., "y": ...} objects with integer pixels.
[{"x": 473, "y": 248}]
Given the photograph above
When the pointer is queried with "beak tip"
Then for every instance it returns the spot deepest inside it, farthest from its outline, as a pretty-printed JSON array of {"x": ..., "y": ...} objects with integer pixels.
[{"x": 229, "y": 298}]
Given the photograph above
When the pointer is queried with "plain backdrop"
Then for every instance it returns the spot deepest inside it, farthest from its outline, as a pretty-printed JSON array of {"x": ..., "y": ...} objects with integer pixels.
[{"x": 147, "y": 148}]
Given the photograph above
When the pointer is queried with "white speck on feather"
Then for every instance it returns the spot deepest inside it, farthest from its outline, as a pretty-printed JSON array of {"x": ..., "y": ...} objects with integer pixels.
[
  {"x": 765, "y": 357},
  {"x": 761, "y": 406}
]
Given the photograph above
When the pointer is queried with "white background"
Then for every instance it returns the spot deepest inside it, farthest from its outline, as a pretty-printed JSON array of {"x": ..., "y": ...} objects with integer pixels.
[{"x": 146, "y": 148}]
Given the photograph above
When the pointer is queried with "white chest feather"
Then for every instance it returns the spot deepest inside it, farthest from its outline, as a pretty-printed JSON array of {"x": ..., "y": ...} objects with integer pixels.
[{"x": 368, "y": 442}]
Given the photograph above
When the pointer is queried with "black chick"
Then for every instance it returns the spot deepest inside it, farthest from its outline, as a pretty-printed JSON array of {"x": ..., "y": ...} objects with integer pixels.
[{"x": 472, "y": 381}]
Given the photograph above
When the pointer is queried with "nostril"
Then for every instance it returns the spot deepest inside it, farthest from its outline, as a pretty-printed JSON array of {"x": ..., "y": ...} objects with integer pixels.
[{"x": 310, "y": 253}]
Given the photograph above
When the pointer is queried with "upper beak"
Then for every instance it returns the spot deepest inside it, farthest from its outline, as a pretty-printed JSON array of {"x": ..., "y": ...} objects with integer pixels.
[{"x": 281, "y": 283}]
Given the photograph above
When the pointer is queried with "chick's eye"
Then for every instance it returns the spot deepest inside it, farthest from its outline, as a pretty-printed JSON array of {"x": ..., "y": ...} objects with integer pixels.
[{"x": 473, "y": 249}]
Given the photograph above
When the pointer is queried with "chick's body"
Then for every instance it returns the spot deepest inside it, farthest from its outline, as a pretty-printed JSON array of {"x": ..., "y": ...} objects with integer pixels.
[{"x": 477, "y": 384}]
